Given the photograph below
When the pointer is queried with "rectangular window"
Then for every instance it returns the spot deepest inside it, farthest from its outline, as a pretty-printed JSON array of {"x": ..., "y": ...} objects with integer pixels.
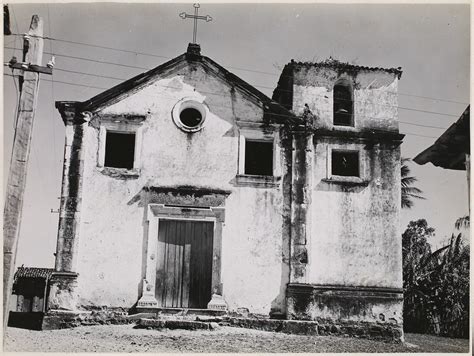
[
  {"x": 258, "y": 158},
  {"x": 343, "y": 105},
  {"x": 119, "y": 149},
  {"x": 345, "y": 163}
]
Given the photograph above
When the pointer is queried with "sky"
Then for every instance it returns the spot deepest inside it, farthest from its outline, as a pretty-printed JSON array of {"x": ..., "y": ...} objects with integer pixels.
[{"x": 254, "y": 41}]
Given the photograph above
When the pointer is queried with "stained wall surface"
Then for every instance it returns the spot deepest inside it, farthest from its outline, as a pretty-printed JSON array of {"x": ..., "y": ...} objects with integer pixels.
[
  {"x": 112, "y": 242},
  {"x": 355, "y": 238},
  {"x": 375, "y": 97}
]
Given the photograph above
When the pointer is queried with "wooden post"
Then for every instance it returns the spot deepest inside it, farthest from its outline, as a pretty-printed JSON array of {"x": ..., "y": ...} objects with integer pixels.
[{"x": 32, "y": 54}]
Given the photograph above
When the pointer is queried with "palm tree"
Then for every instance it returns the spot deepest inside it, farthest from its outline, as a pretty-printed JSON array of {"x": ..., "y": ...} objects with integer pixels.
[
  {"x": 462, "y": 223},
  {"x": 408, "y": 191}
]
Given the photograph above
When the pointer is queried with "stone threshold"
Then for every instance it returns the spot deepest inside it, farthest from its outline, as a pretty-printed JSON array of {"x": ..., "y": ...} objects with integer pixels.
[
  {"x": 375, "y": 331},
  {"x": 175, "y": 324},
  {"x": 182, "y": 311},
  {"x": 367, "y": 330}
]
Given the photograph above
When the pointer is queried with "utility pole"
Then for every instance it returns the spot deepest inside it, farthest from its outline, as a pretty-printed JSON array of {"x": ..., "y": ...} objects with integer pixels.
[{"x": 29, "y": 84}]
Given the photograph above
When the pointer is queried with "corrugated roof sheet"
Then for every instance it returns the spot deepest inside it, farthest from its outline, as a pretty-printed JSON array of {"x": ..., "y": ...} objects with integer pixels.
[{"x": 33, "y": 272}]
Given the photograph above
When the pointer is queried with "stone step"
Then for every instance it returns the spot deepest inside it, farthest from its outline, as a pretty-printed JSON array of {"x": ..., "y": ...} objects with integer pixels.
[
  {"x": 183, "y": 311},
  {"x": 286, "y": 326}
]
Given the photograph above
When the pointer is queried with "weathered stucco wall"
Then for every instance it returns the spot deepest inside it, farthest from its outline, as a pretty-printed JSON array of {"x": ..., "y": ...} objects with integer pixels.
[
  {"x": 355, "y": 237},
  {"x": 112, "y": 242},
  {"x": 354, "y": 266},
  {"x": 375, "y": 97}
]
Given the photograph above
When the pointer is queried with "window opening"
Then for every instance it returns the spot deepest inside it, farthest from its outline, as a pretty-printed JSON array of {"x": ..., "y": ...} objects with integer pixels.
[
  {"x": 119, "y": 150},
  {"x": 345, "y": 163},
  {"x": 191, "y": 117},
  {"x": 258, "y": 158},
  {"x": 343, "y": 105}
]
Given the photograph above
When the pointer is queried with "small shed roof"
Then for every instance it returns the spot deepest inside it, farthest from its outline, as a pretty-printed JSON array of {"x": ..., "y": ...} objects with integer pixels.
[
  {"x": 33, "y": 272},
  {"x": 450, "y": 149}
]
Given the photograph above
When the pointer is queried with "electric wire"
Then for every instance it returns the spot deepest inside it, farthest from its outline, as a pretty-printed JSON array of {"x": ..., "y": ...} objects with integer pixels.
[
  {"x": 52, "y": 87},
  {"x": 90, "y": 60},
  {"x": 215, "y": 93},
  {"x": 97, "y": 46},
  {"x": 399, "y": 107},
  {"x": 93, "y": 87},
  {"x": 233, "y": 67},
  {"x": 17, "y": 90},
  {"x": 96, "y": 87}
]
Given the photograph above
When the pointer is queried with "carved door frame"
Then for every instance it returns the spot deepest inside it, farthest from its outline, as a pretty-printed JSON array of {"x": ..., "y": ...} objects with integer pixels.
[{"x": 157, "y": 212}]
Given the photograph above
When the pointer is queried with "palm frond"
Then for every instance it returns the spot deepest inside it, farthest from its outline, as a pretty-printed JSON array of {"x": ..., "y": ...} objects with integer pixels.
[
  {"x": 462, "y": 222},
  {"x": 407, "y": 181},
  {"x": 408, "y": 191}
]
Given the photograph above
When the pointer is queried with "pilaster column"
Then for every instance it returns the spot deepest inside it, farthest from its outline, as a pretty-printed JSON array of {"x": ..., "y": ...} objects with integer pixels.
[
  {"x": 63, "y": 283},
  {"x": 301, "y": 191},
  {"x": 71, "y": 197},
  {"x": 148, "y": 299}
]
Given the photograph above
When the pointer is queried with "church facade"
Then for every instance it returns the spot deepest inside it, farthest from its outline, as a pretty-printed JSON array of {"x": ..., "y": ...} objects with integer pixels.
[{"x": 185, "y": 187}]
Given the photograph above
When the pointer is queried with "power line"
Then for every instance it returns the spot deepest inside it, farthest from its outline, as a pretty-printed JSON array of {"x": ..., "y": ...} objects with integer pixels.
[
  {"x": 52, "y": 88},
  {"x": 403, "y": 108},
  {"x": 213, "y": 93},
  {"x": 136, "y": 52},
  {"x": 237, "y": 68},
  {"x": 435, "y": 99},
  {"x": 432, "y": 127},
  {"x": 94, "y": 87},
  {"x": 98, "y": 46},
  {"x": 426, "y": 111},
  {"x": 96, "y": 61},
  {"x": 58, "y": 81},
  {"x": 412, "y": 134},
  {"x": 261, "y": 86},
  {"x": 89, "y": 60},
  {"x": 88, "y": 74}
]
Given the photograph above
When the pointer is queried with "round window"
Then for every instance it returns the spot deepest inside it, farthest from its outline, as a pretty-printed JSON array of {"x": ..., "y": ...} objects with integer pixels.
[{"x": 189, "y": 115}]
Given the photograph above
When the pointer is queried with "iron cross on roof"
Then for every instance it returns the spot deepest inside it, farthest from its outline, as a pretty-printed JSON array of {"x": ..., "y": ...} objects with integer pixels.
[{"x": 196, "y": 17}]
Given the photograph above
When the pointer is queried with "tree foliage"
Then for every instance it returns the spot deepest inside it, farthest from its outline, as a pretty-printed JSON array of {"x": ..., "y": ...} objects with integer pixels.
[
  {"x": 436, "y": 284},
  {"x": 409, "y": 192}
]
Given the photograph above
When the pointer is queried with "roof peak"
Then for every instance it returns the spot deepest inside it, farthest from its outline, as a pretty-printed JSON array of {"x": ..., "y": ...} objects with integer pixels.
[{"x": 194, "y": 49}]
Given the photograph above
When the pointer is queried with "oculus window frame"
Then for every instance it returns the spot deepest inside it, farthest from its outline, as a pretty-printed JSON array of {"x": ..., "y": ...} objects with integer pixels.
[{"x": 189, "y": 114}]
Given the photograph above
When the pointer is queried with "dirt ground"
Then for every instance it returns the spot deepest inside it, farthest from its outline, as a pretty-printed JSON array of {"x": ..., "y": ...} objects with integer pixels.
[{"x": 124, "y": 338}]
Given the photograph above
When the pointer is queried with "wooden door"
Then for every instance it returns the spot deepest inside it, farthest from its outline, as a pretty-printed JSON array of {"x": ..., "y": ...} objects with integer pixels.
[{"x": 184, "y": 263}]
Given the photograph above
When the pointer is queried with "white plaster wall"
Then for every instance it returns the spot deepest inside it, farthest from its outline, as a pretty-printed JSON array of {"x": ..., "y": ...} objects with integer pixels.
[
  {"x": 252, "y": 250},
  {"x": 375, "y": 97},
  {"x": 111, "y": 243},
  {"x": 355, "y": 238}
]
